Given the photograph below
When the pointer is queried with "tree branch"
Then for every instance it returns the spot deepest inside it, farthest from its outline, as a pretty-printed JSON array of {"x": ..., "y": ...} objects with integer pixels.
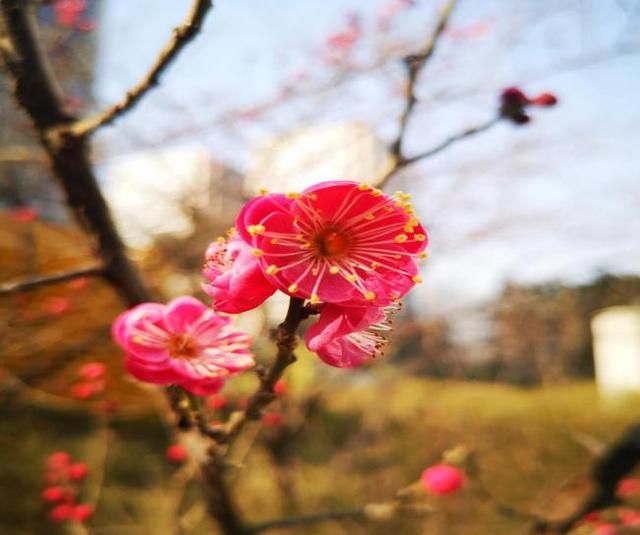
[
  {"x": 181, "y": 35},
  {"x": 35, "y": 282},
  {"x": 414, "y": 64},
  {"x": 35, "y": 90},
  {"x": 401, "y": 162},
  {"x": 305, "y": 520}
]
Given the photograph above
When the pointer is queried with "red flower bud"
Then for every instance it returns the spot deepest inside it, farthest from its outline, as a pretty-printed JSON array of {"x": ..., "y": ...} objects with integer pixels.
[
  {"x": 84, "y": 391},
  {"x": 514, "y": 96},
  {"x": 442, "y": 479},
  {"x": 82, "y": 512},
  {"x": 61, "y": 512},
  {"x": 58, "y": 460},
  {"x": 176, "y": 454},
  {"x": 78, "y": 471},
  {"x": 280, "y": 388},
  {"x": 545, "y": 99},
  {"x": 52, "y": 494}
]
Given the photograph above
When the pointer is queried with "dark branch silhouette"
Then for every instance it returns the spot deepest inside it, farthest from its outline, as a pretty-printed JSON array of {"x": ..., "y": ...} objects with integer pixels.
[{"x": 32, "y": 283}]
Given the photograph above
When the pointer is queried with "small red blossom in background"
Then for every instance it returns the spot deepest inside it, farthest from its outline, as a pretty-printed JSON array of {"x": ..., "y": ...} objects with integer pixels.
[
  {"x": 70, "y": 14},
  {"x": 84, "y": 391},
  {"x": 628, "y": 487},
  {"x": 280, "y": 388},
  {"x": 56, "y": 306},
  {"x": 513, "y": 104},
  {"x": 24, "y": 214},
  {"x": 217, "y": 402},
  {"x": 176, "y": 454},
  {"x": 442, "y": 479},
  {"x": 63, "y": 477},
  {"x": 605, "y": 529},
  {"x": 338, "y": 45},
  {"x": 82, "y": 512},
  {"x": 273, "y": 419},
  {"x": 91, "y": 371},
  {"x": 78, "y": 284},
  {"x": 184, "y": 343}
]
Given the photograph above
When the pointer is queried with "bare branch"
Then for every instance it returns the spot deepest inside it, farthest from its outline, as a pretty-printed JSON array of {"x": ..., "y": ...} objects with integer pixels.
[
  {"x": 401, "y": 163},
  {"x": 181, "y": 35},
  {"x": 35, "y": 90},
  {"x": 414, "y": 64},
  {"x": 32, "y": 283}
]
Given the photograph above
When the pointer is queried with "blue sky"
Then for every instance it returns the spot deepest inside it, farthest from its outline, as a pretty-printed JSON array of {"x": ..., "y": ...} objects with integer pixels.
[{"x": 556, "y": 199}]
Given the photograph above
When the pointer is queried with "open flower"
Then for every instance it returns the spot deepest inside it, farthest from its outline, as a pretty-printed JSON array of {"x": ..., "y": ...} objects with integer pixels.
[
  {"x": 336, "y": 242},
  {"x": 235, "y": 279},
  {"x": 346, "y": 337},
  {"x": 183, "y": 343}
]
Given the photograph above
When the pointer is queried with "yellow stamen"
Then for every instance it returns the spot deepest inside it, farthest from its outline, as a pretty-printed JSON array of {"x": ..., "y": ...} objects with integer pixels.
[
  {"x": 375, "y": 265},
  {"x": 292, "y": 289},
  {"x": 419, "y": 237},
  {"x": 369, "y": 296},
  {"x": 254, "y": 230},
  {"x": 274, "y": 241},
  {"x": 221, "y": 240},
  {"x": 422, "y": 256},
  {"x": 351, "y": 278},
  {"x": 370, "y": 217},
  {"x": 376, "y": 192},
  {"x": 334, "y": 269},
  {"x": 292, "y": 195},
  {"x": 417, "y": 279},
  {"x": 401, "y": 238},
  {"x": 408, "y": 229},
  {"x": 263, "y": 191},
  {"x": 363, "y": 187},
  {"x": 272, "y": 269},
  {"x": 257, "y": 252},
  {"x": 315, "y": 299},
  {"x": 413, "y": 222}
]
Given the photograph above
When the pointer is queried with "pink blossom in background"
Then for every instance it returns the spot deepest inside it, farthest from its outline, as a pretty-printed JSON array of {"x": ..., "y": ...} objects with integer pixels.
[
  {"x": 91, "y": 371},
  {"x": 605, "y": 529},
  {"x": 347, "y": 337},
  {"x": 628, "y": 487},
  {"x": 61, "y": 513},
  {"x": 78, "y": 471},
  {"x": 69, "y": 12},
  {"x": 235, "y": 279},
  {"x": 336, "y": 242},
  {"x": 629, "y": 517},
  {"x": 24, "y": 214},
  {"x": 176, "y": 453},
  {"x": 442, "y": 479},
  {"x": 183, "y": 343},
  {"x": 84, "y": 391},
  {"x": 53, "y": 494}
]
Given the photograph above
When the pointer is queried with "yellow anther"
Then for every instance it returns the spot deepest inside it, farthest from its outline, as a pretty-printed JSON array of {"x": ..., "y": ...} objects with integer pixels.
[
  {"x": 351, "y": 278},
  {"x": 402, "y": 195},
  {"x": 419, "y": 237},
  {"x": 274, "y": 241},
  {"x": 375, "y": 265},
  {"x": 369, "y": 296},
  {"x": 408, "y": 229},
  {"x": 231, "y": 231},
  {"x": 413, "y": 222},
  {"x": 401, "y": 238},
  {"x": 305, "y": 245},
  {"x": 334, "y": 270},
  {"x": 292, "y": 195},
  {"x": 254, "y": 230},
  {"x": 263, "y": 191},
  {"x": 221, "y": 240},
  {"x": 363, "y": 187},
  {"x": 377, "y": 192},
  {"x": 257, "y": 252},
  {"x": 370, "y": 217},
  {"x": 314, "y": 299},
  {"x": 423, "y": 255},
  {"x": 312, "y": 196},
  {"x": 292, "y": 289},
  {"x": 417, "y": 279},
  {"x": 272, "y": 269},
  {"x": 315, "y": 271}
]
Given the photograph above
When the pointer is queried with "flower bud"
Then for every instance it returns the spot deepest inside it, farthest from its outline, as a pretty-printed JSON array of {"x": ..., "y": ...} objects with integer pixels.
[
  {"x": 442, "y": 479},
  {"x": 176, "y": 454}
]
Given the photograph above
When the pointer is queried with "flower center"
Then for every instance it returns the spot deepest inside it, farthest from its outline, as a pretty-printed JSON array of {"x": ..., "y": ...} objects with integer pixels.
[
  {"x": 182, "y": 346},
  {"x": 331, "y": 242}
]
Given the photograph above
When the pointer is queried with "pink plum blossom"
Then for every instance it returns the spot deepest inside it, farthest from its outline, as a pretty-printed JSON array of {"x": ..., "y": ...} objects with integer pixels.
[
  {"x": 337, "y": 242},
  {"x": 442, "y": 479},
  {"x": 183, "y": 343},
  {"x": 235, "y": 279},
  {"x": 346, "y": 337}
]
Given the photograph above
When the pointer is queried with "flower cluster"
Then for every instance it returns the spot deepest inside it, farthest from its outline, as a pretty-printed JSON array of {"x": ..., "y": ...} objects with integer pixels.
[
  {"x": 90, "y": 381},
  {"x": 346, "y": 247},
  {"x": 184, "y": 343},
  {"x": 63, "y": 478}
]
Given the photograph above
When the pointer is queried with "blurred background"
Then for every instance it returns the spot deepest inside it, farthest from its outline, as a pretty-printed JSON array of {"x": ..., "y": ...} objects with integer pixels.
[{"x": 534, "y": 232}]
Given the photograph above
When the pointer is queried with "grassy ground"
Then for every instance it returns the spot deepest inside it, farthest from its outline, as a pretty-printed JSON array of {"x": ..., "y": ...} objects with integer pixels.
[{"x": 363, "y": 443}]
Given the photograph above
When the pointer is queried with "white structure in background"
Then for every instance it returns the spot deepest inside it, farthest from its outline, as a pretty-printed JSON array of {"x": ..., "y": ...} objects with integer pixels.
[
  {"x": 149, "y": 191},
  {"x": 307, "y": 156},
  {"x": 616, "y": 348}
]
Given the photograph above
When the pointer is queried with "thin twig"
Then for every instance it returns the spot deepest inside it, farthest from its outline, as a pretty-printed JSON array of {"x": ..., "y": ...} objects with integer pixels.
[
  {"x": 402, "y": 162},
  {"x": 181, "y": 35},
  {"x": 32, "y": 283},
  {"x": 414, "y": 64}
]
